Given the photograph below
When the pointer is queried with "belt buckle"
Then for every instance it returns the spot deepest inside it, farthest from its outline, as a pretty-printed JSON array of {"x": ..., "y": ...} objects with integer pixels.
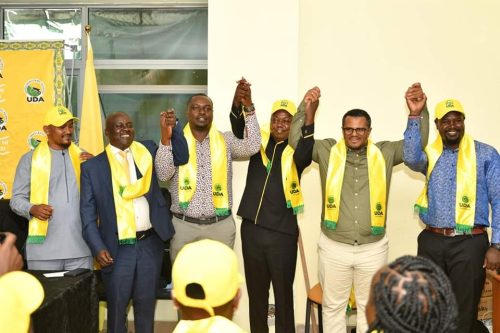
[{"x": 142, "y": 235}]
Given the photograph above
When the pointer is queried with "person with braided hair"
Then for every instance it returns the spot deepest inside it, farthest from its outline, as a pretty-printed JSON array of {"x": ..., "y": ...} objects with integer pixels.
[{"x": 411, "y": 294}]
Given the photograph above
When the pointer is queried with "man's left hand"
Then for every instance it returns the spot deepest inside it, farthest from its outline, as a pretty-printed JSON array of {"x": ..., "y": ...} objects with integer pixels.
[
  {"x": 492, "y": 259},
  {"x": 85, "y": 156}
]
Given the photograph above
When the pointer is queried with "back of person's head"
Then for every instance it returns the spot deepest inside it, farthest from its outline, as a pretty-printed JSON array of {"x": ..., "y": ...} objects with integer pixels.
[
  {"x": 21, "y": 294},
  {"x": 411, "y": 294},
  {"x": 206, "y": 280}
]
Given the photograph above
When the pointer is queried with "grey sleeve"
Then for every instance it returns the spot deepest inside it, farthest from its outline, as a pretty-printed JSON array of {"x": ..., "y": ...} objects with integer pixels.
[{"x": 20, "y": 200}]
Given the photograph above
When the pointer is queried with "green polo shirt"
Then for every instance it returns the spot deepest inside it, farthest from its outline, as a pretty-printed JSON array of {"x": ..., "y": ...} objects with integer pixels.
[{"x": 354, "y": 225}]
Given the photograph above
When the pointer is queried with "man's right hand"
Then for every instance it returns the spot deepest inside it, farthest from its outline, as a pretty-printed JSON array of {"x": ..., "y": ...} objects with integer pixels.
[
  {"x": 243, "y": 93},
  {"x": 41, "y": 212},
  {"x": 311, "y": 101},
  {"x": 10, "y": 259},
  {"x": 104, "y": 258},
  {"x": 415, "y": 99},
  {"x": 167, "y": 124}
]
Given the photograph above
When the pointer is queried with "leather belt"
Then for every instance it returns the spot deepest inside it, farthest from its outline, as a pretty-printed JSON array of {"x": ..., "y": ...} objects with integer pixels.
[
  {"x": 140, "y": 235},
  {"x": 208, "y": 220},
  {"x": 451, "y": 232}
]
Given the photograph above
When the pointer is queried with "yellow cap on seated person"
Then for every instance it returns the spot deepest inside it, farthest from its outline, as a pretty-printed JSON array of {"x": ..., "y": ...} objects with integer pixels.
[
  {"x": 21, "y": 295},
  {"x": 58, "y": 116},
  {"x": 284, "y": 104},
  {"x": 448, "y": 105},
  {"x": 210, "y": 268}
]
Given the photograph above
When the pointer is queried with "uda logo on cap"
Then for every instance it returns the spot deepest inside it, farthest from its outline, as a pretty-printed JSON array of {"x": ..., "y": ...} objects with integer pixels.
[
  {"x": 35, "y": 138},
  {"x": 4, "y": 117},
  {"x": 34, "y": 90},
  {"x": 3, "y": 189},
  {"x": 450, "y": 104}
]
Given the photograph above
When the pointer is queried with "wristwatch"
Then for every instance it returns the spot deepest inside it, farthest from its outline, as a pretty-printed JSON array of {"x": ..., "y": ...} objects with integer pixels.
[
  {"x": 496, "y": 246},
  {"x": 249, "y": 108}
]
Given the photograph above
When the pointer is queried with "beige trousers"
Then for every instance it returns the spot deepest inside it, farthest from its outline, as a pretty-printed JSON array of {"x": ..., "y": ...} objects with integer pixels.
[{"x": 342, "y": 266}]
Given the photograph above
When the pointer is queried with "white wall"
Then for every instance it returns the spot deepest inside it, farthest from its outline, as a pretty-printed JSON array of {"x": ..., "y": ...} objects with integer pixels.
[
  {"x": 364, "y": 54},
  {"x": 258, "y": 40}
]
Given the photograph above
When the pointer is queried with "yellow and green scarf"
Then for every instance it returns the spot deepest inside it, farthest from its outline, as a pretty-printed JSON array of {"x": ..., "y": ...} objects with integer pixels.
[
  {"x": 125, "y": 193},
  {"x": 39, "y": 188},
  {"x": 465, "y": 207},
  {"x": 377, "y": 183},
  {"x": 289, "y": 174},
  {"x": 188, "y": 172}
]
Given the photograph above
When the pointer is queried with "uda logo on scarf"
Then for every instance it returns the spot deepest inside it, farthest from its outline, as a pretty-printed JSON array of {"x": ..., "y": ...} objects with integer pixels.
[
  {"x": 331, "y": 203},
  {"x": 294, "y": 189},
  {"x": 218, "y": 190},
  {"x": 378, "y": 210},
  {"x": 465, "y": 202},
  {"x": 186, "y": 186}
]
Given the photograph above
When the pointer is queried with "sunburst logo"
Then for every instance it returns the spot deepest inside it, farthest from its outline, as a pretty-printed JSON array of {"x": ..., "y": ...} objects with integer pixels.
[
  {"x": 34, "y": 90},
  {"x": 35, "y": 138}
]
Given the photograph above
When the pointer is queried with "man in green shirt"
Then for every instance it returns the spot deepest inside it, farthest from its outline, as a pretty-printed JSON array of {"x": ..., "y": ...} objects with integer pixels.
[{"x": 355, "y": 178}]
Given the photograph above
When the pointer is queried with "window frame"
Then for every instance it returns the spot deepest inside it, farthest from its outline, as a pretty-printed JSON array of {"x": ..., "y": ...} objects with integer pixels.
[{"x": 77, "y": 66}]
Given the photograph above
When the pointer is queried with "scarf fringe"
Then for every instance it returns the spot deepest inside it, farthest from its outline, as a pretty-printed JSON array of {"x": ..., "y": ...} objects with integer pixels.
[
  {"x": 377, "y": 230},
  {"x": 298, "y": 210},
  {"x": 184, "y": 205},
  {"x": 420, "y": 209},
  {"x": 331, "y": 225},
  {"x": 462, "y": 228},
  {"x": 222, "y": 211},
  {"x": 127, "y": 241},
  {"x": 35, "y": 239}
]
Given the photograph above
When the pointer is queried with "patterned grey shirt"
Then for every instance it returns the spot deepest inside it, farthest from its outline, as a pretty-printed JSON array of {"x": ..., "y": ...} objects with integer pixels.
[{"x": 201, "y": 205}]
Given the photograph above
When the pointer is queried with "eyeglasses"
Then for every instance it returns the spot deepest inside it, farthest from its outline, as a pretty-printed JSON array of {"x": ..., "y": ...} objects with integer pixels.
[{"x": 359, "y": 130}]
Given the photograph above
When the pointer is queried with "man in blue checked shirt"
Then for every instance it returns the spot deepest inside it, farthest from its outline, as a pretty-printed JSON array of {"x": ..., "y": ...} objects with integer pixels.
[{"x": 463, "y": 180}]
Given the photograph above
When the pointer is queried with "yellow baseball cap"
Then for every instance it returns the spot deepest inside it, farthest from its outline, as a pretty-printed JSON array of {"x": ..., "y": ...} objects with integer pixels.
[
  {"x": 211, "y": 265},
  {"x": 22, "y": 294},
  {"x": 448, "y": 105},
  {"x": 58, "y": 116},
  {"x": 284, "y": 104}
]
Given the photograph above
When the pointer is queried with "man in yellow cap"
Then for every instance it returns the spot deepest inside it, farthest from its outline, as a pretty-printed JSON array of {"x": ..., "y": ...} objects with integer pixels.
[
  {"x": 206, "y": 287},
  {"x": 21, "y": 294},
  {"x": 463, "y": 181},
  {"x": 46, "y": 192},
  {"x": 355, "y": 180},
  {"x": 269, "y": 207}
]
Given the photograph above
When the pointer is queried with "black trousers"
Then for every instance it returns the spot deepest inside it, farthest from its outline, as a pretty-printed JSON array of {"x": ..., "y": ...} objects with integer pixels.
[
  {"x": 269, "y": 256},
  {"x": 461, "y": 258}
]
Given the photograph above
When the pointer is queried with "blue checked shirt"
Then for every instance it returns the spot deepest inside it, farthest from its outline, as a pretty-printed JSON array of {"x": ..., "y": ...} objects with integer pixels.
[{"x": 443, "y": 182}]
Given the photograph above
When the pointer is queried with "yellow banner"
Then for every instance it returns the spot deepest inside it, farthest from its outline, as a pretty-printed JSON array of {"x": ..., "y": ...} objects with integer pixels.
[{"x": 31, "y": 82}]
